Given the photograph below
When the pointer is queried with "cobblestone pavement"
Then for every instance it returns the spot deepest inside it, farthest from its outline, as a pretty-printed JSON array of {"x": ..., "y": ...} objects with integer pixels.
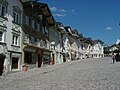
[{"x": 89, "y": 74}]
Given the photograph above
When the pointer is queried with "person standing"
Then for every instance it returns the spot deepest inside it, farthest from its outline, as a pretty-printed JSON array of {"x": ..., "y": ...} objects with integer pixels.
[{"x": 113, "y": 57}]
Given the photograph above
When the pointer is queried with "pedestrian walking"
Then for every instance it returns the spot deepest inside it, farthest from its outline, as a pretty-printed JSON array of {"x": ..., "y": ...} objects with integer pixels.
[{"x": 113, "y": 57}]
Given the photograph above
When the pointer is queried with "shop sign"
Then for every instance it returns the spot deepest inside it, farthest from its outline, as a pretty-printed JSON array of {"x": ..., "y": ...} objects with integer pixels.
[{"x": 1, "y": 49}]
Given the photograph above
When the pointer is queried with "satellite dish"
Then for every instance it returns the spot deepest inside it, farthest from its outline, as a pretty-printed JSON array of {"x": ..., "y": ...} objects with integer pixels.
[{"x": 53, "y": 43}]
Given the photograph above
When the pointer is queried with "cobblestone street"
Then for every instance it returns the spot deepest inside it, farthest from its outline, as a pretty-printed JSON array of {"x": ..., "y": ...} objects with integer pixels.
[{"x": 89, "y": 74}]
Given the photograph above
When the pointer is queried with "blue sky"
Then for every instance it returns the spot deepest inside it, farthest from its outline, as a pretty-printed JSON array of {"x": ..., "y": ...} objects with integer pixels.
[{"x": 98, "y": 19}]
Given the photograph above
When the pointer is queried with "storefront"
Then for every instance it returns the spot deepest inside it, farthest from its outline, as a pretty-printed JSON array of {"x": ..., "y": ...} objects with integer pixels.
[
  {"x": 15, "y": 60},
  {"x": 30, "y": 57},
  {"x": 36, "y": 57},
  {"x": 46, "y": 57}
]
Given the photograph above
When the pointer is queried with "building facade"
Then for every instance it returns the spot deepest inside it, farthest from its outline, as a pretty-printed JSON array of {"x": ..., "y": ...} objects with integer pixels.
[
  {"x": 10, "y": 34},
  {"x": 97, "y": 50},
  {"x": 30, "y": 35},
  {"x": 36, "y": 28}
]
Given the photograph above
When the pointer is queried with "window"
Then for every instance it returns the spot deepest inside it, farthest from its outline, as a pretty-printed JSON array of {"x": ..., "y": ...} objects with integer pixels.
[
  {"x": 30, "y": 39},
  {"x": 3, "y": 7},
  {"x": 44, "y": 44},
  {"x": 38, "y": 26},
  {"x": 33, "y": 40},
  {"x": 2, "y": 10},
  {"x": 38, "y": 42},
  {"x": 15, "y": 40},
  {"x": 29, "y": 58},
  {"x": 33, "y": 24},
  {"x": 45, "y": 31},
  {"x": 1, "y": 35},
  {"x": 16, "y": 14},
  {"x": 26, "y": 20},
  {"x": 26, "y": 38},
  {"x": 16, "y": 17}
]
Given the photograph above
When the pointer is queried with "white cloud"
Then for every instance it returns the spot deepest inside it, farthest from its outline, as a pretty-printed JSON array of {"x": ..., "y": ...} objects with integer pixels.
[
  {"x": 56, "y": 9},
  {"x": 60, "y": 15},
  {"x": 108, "y": 28},
  {"x": 62, "y": 10},
  {"x": 58, "y": 12},
  {"x": 53, "y": 9},
  {"x": 73, "y": 12}
]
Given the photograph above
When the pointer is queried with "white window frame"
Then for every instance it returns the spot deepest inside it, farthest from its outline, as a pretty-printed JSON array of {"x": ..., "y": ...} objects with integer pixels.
[
  {"x": 16, "y": 17},
  {"x": 2, "y": 10},
  {"x": 15, "y": 40}
]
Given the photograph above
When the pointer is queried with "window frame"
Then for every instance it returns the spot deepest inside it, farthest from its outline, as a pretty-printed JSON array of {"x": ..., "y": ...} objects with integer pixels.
[
  {"x": 15, "y": 40},
  {"x": 27, "y": 20},
  {"x": 1, "y": 36},
  {"x": 45, "y": 30},
  {"x": 16, "y": 15},
  {"x": 32, "y": 23},
  {"x": 26, "y": 38},
  {"x": 2, "y": 13},
  {"x": 3, "y": 3}
]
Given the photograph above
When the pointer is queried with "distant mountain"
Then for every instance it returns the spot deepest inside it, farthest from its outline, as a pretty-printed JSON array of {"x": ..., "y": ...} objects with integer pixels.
[{"x": 118, "y": 41}]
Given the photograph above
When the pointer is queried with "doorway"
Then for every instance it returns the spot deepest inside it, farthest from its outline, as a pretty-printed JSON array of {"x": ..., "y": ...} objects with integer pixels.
[
  {"x": 1, "y": 65},
  {"x": 15, "y": 63},
  {"x": 53, "y": 59},
  {"x": 39, "y": 60}
]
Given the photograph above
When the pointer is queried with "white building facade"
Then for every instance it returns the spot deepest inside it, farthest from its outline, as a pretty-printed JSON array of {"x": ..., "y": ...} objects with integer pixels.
[
  {"x": 97, "y": 50},
  {"x": 10, "y": 35}
]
